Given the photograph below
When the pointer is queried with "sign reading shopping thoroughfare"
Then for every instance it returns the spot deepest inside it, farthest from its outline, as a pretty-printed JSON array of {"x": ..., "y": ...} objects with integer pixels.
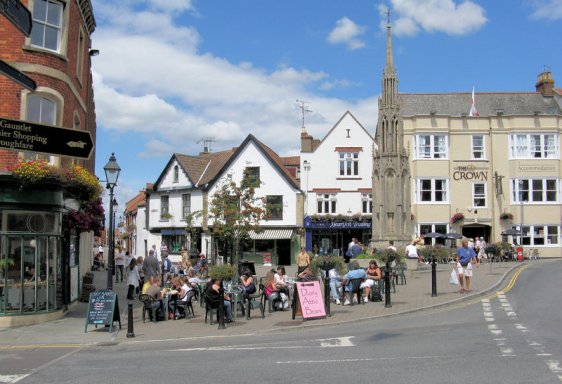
[
  {"x": 18, "y": 14},
  {"x": 25, "y": 136}
]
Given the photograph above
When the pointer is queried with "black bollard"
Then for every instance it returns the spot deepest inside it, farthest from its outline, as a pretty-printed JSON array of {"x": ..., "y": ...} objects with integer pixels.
[
  {"x": 387, "y": 302},
  {"x": 130, "y": 331},
  {"x": 327, "y": 293},
  {"x": 433, "y": 277},
  {"x": 221, "y": 307}
]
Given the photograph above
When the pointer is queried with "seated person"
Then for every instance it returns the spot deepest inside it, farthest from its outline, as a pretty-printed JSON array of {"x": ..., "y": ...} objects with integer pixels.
[
  {"x": 280, "y": 300},
  {"x": 374, "y": 275},
  {"x": 335, "y": 283},
  {"x": 356, "y": 272},
  {"x": 98, "y": 261},
  {"x": 154, "y": 291},
  {"x": 214, "y": 299},
  {"x": 282, "y": 280},
  {"x": 247, "y": 281},
  {"x": 184, "y": 295},
  {"x": 305, "y": 275}
]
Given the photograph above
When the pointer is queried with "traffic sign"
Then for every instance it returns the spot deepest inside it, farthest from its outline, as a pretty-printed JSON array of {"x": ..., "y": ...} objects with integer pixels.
[
  {"x": 17, "y": 76},
  {"x": 25, "y": 136},
  {"x": 18, "y": 14}
]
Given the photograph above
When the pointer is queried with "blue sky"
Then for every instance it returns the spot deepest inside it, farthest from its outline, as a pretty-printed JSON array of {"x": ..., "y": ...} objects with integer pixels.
[{"x": 171, "y": 72}]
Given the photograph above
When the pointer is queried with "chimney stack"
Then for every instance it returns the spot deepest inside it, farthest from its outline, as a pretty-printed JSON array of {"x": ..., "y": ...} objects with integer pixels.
[{"x": 545, "y": 84}]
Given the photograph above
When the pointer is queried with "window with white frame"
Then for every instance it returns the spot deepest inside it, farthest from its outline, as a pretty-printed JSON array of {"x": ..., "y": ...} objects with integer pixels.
[
  {"x": 326, "y": 203},
  {"x": 427, "y": 228},
  {"x": 535, "y": 190},
  {"x": 479, "y": 195},
  {"x": 274, "y": 204},
  {"x": 47, "y": 24},
  {"x": 40, "y": 109},
  {"x": 349, "y": 163},
  {"x": 431, "y": 147},
  {"x": 185, "y": 205},
  {"x": 367, "y": 202},
  {"x": 540, "y": 234},
  {"x": 533, "y": 146},
  {"x": 164, "y": 206},
  {"x": 478, "y": 147},
  {"x": 431, "y": 190}
]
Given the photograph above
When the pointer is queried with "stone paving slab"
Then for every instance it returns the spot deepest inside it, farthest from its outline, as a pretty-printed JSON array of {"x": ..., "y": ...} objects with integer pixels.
[{"x": 414, "y": 296}]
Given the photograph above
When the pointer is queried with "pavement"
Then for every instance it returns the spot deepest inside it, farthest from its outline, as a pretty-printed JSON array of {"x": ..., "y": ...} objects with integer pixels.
[{"x": 411, "y": 297}]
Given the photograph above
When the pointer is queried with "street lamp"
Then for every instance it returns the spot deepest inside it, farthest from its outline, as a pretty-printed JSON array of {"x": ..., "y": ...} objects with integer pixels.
[
  {"x": 112, "y": 171},
  {"x": 521, "y": 186}
]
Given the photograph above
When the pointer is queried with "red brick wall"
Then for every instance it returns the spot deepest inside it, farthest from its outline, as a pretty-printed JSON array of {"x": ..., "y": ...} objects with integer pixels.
[{"x": 13, "y": 50}]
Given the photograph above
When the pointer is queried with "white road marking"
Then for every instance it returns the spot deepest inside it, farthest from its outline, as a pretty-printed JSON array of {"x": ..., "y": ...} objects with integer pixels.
[
  {"x": 553, "y": 365},
  {"x": 496, "y": 331},
  {"x": 492, "y": 326},
  {"x": 337, "y": 342},
  {"x": 12, "y": 378},
  {"x": 323, "y": 343},
  {"x": 358, "y": 360}
]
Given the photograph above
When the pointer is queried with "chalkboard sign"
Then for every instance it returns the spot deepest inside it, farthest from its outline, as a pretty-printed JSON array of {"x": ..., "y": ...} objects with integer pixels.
[
  {"x": 309, "y": 300},
  {"x": 103, "y": 309}
]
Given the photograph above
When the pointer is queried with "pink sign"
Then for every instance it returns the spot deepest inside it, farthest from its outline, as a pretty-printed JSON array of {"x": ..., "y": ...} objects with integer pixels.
[{"x": 311, "y": 300}]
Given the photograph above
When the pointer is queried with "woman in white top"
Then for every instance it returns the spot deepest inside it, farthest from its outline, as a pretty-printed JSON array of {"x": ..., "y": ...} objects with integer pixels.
[
  {"x": 133, "y": 279},
  {"x": 282, "y": 280}
]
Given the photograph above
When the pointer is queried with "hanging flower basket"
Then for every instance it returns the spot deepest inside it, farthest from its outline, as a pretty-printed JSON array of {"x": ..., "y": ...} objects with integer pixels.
[
  {"x": 506, "y": 216},
  {"x": 457, "y": 218}
]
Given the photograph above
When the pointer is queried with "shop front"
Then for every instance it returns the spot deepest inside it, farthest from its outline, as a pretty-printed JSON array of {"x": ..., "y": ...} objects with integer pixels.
[
  {"x": 332, "y": 237},
  {"x": 271, "y": 247},
  {"x": 32, "y": 277}
]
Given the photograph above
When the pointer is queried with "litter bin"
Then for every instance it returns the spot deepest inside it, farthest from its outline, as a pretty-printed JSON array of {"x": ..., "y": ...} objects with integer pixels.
[{"x": 243, "y": 264}]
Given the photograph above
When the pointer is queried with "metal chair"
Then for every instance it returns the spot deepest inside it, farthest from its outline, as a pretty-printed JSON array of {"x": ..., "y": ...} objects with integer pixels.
[
  {"x": 355, "y": 290},
  {"x": 255, "y": 299},
  {"x": 148, "y": 306}
]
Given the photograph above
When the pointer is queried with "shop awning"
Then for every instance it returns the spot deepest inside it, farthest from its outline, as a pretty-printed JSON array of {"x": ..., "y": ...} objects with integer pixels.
[
  {"x": 174, "y": 231},
  {"x": 272, "y": 234}
]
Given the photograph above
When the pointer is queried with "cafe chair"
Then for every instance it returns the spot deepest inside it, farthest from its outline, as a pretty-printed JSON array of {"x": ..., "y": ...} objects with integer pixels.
[
  {"x": 255, "y": 299},
  {"x": 148, "y": 306},
  {"x": 187, "y": 306},
  {"x": 355, "y": 290},
  {"x": 400, "y": 276},
  {"x": 270, "y": 300},
  {"x": 210, "y": 311}
]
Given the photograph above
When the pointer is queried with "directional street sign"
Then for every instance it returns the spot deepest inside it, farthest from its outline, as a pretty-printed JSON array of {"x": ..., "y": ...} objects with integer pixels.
[
  {"x": 17, "y": 76},
  {"x": 18, "y": 14},
  {"x": 25, "y": 136}
]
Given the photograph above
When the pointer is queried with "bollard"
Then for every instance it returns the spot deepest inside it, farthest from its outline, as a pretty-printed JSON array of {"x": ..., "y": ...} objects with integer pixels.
[
  {"x": 221, "y": 307},
  {"x": 387, "y": 283},
  {"x": 327, "y": 293},
  {"x": 433, "y": 277},
  {"x": 130, "y": 331}
]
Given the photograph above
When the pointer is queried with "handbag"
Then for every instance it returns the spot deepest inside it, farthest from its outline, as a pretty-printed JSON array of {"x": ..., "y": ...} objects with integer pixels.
[{"x": 454, "y": 280}]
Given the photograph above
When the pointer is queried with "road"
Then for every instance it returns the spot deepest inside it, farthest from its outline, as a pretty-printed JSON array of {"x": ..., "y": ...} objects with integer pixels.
[{"x": 507, "y": 337}]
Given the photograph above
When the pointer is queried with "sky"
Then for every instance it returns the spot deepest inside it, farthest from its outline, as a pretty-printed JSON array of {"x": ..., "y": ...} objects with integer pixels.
[{"x": 173, "y": 72}]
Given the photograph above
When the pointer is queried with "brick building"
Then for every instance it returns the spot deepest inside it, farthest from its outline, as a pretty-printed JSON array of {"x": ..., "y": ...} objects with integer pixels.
[{"x": 57, "y": 56}]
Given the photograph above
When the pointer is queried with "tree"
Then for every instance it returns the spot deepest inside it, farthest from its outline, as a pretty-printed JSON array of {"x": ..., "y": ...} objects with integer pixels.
[{"x": 236, "y": 211}]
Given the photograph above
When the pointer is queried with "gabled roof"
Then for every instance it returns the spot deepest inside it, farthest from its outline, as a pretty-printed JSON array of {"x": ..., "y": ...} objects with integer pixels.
[
  {"x": 132, "y": 205},
  {"x": 206, "y": 168},
  {"x": 270, "y": 154},
  {"x": 337, "y": 123},
  {"x": 487, "y": 104}
]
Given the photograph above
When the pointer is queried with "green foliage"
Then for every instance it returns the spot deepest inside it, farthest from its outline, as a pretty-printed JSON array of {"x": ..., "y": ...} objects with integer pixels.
[
  {"x": 439, "y": 252},
  {"x": 326, "y": 263},
  {"x": 385, "y": 255},
  {"x": 222, "y": 272},
  {"x": 492, "y": 249}
]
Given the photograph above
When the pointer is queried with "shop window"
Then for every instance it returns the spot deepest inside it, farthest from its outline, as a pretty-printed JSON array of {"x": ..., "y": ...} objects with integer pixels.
[
  {"x": 540, "y": 235},
  {"x": 426, "y": 228}
]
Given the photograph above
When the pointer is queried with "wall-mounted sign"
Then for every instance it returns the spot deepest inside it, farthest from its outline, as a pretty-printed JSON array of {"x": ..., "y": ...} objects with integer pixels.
[{"x": 470, "y": 172}]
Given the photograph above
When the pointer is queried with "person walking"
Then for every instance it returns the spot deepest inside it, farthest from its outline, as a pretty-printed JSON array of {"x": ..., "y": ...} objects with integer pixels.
[
  {"x": 120, "y": 264},
  {"x": 150, "y": 266},
  {"x": 466, "y": 255},
  {"x": 133, "y": 279}
]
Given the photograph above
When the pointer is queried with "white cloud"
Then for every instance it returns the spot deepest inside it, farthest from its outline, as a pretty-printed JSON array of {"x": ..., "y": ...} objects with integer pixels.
[
  {"x": 547, "y": 9},
  {"x": 447, "y": 16},
  {"x": 156, "y": 148},
  {"x": 347, "y": 32}
]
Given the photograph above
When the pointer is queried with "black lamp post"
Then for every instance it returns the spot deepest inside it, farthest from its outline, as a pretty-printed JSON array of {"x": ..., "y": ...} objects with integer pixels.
[
  {"x": 114, "y": 205},
  {"x": 112, "y": 171},
  {"x": 433, "y": 275}
]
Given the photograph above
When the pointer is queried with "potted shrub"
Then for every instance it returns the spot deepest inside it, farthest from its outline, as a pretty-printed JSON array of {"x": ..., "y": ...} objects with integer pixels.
[
  {"x": 222, "y": 272},
  {"x": 325, "y": 263},
  {"x": 434, "y": 251},
  {"x": 166, "y": 216}
]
